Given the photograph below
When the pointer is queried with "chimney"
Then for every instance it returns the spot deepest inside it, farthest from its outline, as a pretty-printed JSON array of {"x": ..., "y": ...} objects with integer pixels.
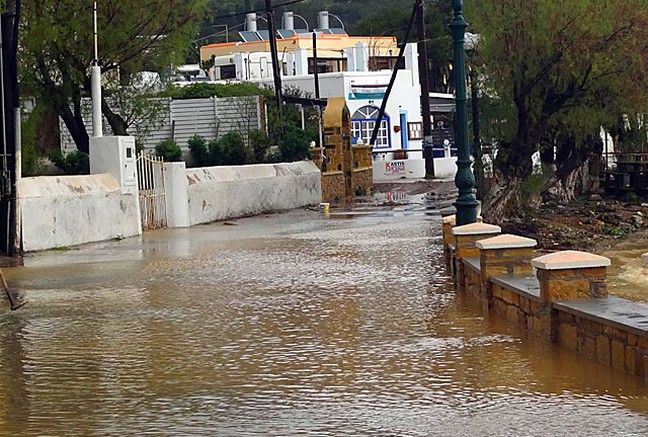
[
  {"x": 288, "y": 21},
  {"x": 251, "y": 22},
  {"x": 323, "y": 20}
]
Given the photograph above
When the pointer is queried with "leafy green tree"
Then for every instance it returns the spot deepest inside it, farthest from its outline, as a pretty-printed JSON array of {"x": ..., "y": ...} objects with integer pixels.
[
  {"x": 57, "y": 49},
  {"x": 561, "y": 70}
]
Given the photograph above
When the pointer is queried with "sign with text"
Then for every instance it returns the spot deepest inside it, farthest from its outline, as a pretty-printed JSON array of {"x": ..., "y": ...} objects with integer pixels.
[{"x": 395, "y": 168}]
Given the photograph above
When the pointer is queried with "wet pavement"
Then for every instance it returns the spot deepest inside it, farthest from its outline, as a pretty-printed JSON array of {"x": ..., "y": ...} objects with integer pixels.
[{"x": 288, "y": 324}]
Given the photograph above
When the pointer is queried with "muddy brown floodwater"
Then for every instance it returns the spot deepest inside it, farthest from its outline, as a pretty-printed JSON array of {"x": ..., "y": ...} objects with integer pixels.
[
  {"x": 288, "y": 324},
  {"x": 628, "y": 277}
]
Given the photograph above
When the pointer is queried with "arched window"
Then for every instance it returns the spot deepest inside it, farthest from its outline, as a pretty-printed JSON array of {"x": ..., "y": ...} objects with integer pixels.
[{"x": 363, "y": 122}]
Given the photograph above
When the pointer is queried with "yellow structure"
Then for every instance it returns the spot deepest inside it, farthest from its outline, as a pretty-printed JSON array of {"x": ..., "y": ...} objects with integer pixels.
[{"x": 346, "y": 169}]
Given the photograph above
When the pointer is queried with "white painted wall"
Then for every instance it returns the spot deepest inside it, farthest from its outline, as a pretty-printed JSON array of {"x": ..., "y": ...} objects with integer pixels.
[
  {"x": 62, "y": 211},
  {"x": 391, "y": 170},
  {"x": 220, "y": 193},
  {"x": 445, "y": 167}
]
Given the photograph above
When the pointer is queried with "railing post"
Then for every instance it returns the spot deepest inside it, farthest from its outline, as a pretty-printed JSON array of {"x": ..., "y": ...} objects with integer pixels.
[
  {"x": 466, "y": 238},
  {"x": 503, "y": 255},
  {"x": 567, "y": 275}
]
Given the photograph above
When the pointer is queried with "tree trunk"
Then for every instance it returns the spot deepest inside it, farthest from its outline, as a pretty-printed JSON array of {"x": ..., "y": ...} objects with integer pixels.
[
  {"x": 568, "y": 188},
  {"x": 116, "y": 122},
  {"x": 74, "y": 123},
  {"x": 504, "y": 193},
  {"x": 572, "y": 176}
]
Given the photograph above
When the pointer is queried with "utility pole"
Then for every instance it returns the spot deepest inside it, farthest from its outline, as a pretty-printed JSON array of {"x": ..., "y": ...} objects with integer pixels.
[
  {"x": 383, "y": 105},
  {"x": 317, "y": 87},
  {"x": 10, "y": 107},
  {"x": 276, "y": 71},
  {"x": 466, "y": 203},
  {"x": 428, "y": 153}
]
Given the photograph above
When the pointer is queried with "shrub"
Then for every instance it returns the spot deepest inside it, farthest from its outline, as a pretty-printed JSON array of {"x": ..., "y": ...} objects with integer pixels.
[
  {"x": 73, "y": 163},
  {"x": 169, "y": 150},
  {"x": 232, "y": 149},
  {"x": 215, "y": 157},
  {"x": 294, "y": 144},
  {"x": 260, "y": 143},
  {"x": 199, "y": 151}
]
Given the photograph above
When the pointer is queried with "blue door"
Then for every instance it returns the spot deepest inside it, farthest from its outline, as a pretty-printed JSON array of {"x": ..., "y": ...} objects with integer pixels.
[{"x": 403, "y": 132}]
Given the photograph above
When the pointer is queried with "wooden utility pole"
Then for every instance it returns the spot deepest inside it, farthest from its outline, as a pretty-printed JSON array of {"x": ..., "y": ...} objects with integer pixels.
[
  {"x": 10, "y": 110},
  {"x": 383, "y": 105},
  {"x": 316, "y": 73},
  {"x": 428, "y": 153},
  {"x": 276, "y": 69}
]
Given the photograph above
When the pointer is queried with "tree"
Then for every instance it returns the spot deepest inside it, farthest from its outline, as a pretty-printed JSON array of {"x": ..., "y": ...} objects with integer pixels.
[
  {"x": 564, "y": 69},
  {"x": 57, "y": 49}
]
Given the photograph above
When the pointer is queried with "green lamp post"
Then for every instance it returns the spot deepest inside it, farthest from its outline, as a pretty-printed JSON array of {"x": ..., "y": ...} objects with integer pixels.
[{"x": 466, "y": 203}]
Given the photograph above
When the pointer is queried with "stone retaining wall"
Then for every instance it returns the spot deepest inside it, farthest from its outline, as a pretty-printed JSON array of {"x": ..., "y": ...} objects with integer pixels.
[{"x": 560, "y": 297}]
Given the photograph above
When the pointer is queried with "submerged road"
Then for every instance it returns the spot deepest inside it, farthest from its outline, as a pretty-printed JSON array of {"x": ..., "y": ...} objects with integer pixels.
[{"x": 288, "y": 324}]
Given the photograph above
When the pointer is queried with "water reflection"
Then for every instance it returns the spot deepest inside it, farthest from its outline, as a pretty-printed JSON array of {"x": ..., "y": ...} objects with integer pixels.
[{"x": 287, "y": 325}]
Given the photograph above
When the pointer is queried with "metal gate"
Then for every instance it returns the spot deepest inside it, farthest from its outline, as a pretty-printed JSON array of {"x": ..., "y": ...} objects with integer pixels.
[{"x": 152, "y": 196}]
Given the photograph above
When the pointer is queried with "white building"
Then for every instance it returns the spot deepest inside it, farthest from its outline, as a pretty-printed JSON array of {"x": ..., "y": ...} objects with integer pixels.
[{"x": 356, "y": 68}]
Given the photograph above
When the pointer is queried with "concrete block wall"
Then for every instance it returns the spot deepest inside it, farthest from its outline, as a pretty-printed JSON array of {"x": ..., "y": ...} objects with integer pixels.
[
  {"x": 221, "y": 193},
  {"x": 58, "y": 211},
  {"x": 560, "y": 297}
]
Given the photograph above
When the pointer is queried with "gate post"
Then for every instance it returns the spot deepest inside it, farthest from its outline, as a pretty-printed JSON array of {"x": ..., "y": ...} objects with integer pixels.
[{"x": 177, "y": 194}]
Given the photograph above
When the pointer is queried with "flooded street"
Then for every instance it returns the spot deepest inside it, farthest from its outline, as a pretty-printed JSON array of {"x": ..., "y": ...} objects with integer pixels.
[{"x": 288, "y": 324}]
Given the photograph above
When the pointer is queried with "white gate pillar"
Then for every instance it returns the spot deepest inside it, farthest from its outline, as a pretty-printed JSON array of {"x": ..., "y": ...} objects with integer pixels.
[{"x": 177, "y": 194}]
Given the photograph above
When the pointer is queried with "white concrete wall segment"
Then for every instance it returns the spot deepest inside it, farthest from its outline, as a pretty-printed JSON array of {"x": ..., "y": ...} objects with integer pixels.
[
  {"x": 392, "y": 170},
  {"x": 445, "y": 167},
  {"x": 220, "y": 193},
  {"x": 644, "y": 259},
  {"x": 62, "y": 211},
  {"x": 569, "y": 259},
  {"x": 177, "y": 194}
]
